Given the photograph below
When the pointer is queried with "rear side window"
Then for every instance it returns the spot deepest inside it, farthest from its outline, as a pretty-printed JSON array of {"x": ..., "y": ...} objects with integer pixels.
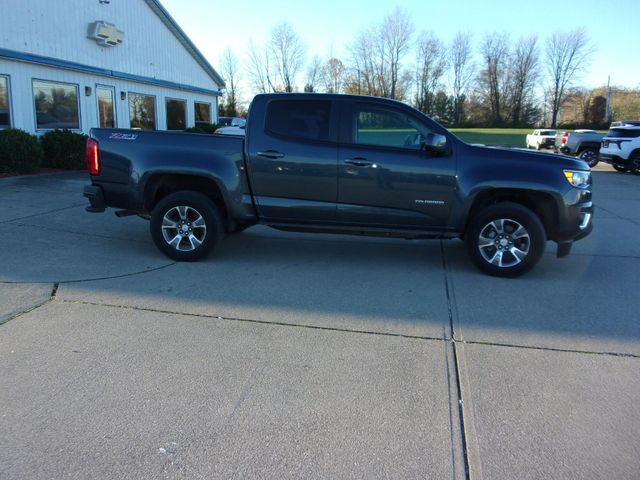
[
  {"x": 306, "y": 119},
  {"x": 624, "y": 133}
]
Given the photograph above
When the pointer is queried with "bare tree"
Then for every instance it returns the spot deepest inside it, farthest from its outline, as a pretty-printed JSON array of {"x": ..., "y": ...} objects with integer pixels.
[
  {"x": 567, "y": 57},
  {"x": 260, "y": 70},
  {"x": 462, "y": 71},
  {"x": 288, "y": 52},
  {"x": 314, "y": 73},
  {"x": 333, "y": 75},
  {"x": 396, "y": 32},
  {"x": 377, "y": 56},
  {"x": 524, "y": 73},
  {"x": 494, "y": 76},
  {"x": 230, "y": 73},
  {"x": 366, "y": 64},
  {"x": 431, "y": 63}
]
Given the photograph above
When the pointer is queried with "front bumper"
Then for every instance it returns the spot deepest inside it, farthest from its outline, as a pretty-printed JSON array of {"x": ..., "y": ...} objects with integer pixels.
[
  {"x": 575, "y": 219},
  {"x": 96, "y": 199}
]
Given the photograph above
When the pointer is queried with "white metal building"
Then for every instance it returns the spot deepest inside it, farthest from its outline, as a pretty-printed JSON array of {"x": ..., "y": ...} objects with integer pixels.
[{"x": 79, "y": 64}]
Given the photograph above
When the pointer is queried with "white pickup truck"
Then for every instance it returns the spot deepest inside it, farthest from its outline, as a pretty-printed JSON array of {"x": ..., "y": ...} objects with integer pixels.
[{"x": 541, "y": 139}]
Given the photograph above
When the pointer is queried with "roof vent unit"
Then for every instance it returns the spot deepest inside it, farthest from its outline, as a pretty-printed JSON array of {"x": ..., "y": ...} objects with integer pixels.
[{"x": 105, "y": 34}]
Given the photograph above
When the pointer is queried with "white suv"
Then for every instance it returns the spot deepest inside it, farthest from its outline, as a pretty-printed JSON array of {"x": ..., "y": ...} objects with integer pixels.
[{"x": 621, "y": 148}]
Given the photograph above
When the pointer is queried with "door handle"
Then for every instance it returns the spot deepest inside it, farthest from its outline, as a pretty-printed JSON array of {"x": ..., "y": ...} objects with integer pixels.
[
  {"x": 359, "y": 162},
  {"x": 270, "y": 154}
]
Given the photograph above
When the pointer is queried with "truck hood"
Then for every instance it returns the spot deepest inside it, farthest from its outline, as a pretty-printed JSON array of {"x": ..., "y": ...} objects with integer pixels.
[{"x": 521, "y": 155}]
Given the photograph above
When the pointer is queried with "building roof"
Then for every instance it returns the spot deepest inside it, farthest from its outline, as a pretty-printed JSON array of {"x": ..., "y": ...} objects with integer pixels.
[{"x": 171, "y": 24}]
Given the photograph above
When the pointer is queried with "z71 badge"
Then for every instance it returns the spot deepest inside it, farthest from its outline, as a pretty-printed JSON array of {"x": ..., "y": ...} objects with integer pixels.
[{"x": 123, "y": 136}]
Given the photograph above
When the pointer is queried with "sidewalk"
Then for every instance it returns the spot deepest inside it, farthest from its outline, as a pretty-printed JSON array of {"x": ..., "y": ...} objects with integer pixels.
[{"x": 311, "y": 356}]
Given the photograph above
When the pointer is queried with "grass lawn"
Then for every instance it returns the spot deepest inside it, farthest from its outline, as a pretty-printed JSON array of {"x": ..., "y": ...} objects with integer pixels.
[{"x": 502, "y": 137}]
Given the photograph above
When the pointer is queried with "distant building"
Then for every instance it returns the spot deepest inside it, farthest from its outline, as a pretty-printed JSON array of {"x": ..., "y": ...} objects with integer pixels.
[{"x": 79, "y": 64}]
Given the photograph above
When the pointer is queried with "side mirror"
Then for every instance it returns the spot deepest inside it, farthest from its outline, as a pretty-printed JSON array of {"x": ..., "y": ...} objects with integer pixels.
[{"x": 436, "y": 144}]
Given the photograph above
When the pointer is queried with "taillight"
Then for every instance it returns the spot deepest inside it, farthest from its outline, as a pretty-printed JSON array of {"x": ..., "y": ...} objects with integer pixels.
[
  {"x": 565, "y": 136},
  {"x": 92, "y": 157}
]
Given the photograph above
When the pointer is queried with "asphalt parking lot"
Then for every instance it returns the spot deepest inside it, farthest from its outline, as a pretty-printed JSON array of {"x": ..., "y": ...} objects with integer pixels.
[{"x": 311, "y": 356}]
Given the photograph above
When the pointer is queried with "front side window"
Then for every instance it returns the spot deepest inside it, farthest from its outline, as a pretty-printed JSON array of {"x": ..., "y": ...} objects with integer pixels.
[
  {"x": 142, "y": 111},
  {"x": 106, "y": 116},
  {"x": 176, "y": 114},
  {"x": 56, "y": 105},
  {"x": 202, "y": 112},
  {"x": 306, "y": 119},
  {"x": 5, "y": 114},
  {"x": 389, "y": 128}
]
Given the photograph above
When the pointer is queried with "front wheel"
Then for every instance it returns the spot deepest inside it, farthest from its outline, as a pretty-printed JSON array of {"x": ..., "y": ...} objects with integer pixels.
[
  {"x": 590, "y": 156},
  {"x": 186, "y": 225},
  {"x": 505, "y": 239}
]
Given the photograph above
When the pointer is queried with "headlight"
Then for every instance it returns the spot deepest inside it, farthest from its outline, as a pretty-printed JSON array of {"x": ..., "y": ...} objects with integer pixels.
[{"x": 577, "y": 178}]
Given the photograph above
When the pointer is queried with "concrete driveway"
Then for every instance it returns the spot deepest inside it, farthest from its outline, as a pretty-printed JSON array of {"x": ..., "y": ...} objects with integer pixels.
[{"x": 311, "y": 356}]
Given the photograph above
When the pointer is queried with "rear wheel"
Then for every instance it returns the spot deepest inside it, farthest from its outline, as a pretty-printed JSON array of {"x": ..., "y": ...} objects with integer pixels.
[
  {"x": 186, "y": 225},
  {"x": 620, "y": 168},
  {"x": 589, "y": 155},
  {"x": 505, "y": 239},
  {"x": 634, "y": 163}
]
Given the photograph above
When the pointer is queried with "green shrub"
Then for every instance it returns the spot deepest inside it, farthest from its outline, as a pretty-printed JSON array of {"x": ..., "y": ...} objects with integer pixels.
[
  {"x": 20, "y": 152},
  {"x": 203, "y": 128},
  {"x": 64, "y": 149}
]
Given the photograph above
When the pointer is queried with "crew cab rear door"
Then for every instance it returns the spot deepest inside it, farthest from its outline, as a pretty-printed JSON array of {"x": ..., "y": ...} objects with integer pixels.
[
  {"x": 389, "y": 172},
  {"x": 292, "y": 160}
]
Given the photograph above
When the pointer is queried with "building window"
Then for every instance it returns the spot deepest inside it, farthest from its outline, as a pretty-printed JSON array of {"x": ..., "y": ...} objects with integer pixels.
[
  {"x": 176, "y": 114},
  {"x": 202, "y": 112},
  {"x": 5, "y": 114},
  {"x": 106, "y": 112},
  {"x": 142, "y": 111},
  {"x": 56, "y": 105}
]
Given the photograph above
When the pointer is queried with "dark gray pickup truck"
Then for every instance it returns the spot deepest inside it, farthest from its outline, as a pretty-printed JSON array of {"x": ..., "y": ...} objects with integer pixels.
[{"x": 342, "y": 164}]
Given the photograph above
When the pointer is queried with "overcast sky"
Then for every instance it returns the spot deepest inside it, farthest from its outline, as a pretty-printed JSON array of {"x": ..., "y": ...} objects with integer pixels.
[{"x": 328, "y": 26}]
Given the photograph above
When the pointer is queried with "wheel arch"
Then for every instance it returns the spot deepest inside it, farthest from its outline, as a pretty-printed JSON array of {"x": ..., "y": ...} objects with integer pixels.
[
  {"x": 586, "y": 145},
  {"x": 160, "y": 185},
  {"x": 542, "y": 204}
]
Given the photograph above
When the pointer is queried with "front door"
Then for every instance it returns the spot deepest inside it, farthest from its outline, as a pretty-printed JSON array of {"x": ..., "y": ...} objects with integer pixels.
[{"x": 394, "y": 169}]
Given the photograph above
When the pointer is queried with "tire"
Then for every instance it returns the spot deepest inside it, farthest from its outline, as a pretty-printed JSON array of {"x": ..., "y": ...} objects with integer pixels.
[
  {"x": 505, "y": 239},
  {"x": 620, "y": 168},
  {"x": 186, "y": 226},
  {"x": 589, "y": 155},
  {"x": 634, "y": 164}
]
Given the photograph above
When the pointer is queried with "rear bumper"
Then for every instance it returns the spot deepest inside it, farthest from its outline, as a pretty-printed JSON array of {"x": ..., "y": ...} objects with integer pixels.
[
  {"x": 614, "y": 160},
  {"x": 96, "y": 198}
]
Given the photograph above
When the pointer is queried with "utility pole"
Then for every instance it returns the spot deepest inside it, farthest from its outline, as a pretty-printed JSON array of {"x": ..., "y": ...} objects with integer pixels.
[{"x": 608, "y": 105}]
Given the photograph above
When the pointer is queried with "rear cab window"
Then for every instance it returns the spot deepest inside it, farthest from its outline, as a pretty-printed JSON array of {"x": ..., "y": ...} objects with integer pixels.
[{"x": 299, "y": 119}]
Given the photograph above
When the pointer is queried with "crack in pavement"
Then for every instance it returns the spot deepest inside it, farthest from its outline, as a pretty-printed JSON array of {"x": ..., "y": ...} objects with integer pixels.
[
  {"x": 55, "y": 210},
  {"x": 19, "y": 223},
  {"x": 342, "y": 330},
  {"x": 456, "y": 365},
  {"x": 81, "y": 280},
  {"x": 51, "y": 298}
]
